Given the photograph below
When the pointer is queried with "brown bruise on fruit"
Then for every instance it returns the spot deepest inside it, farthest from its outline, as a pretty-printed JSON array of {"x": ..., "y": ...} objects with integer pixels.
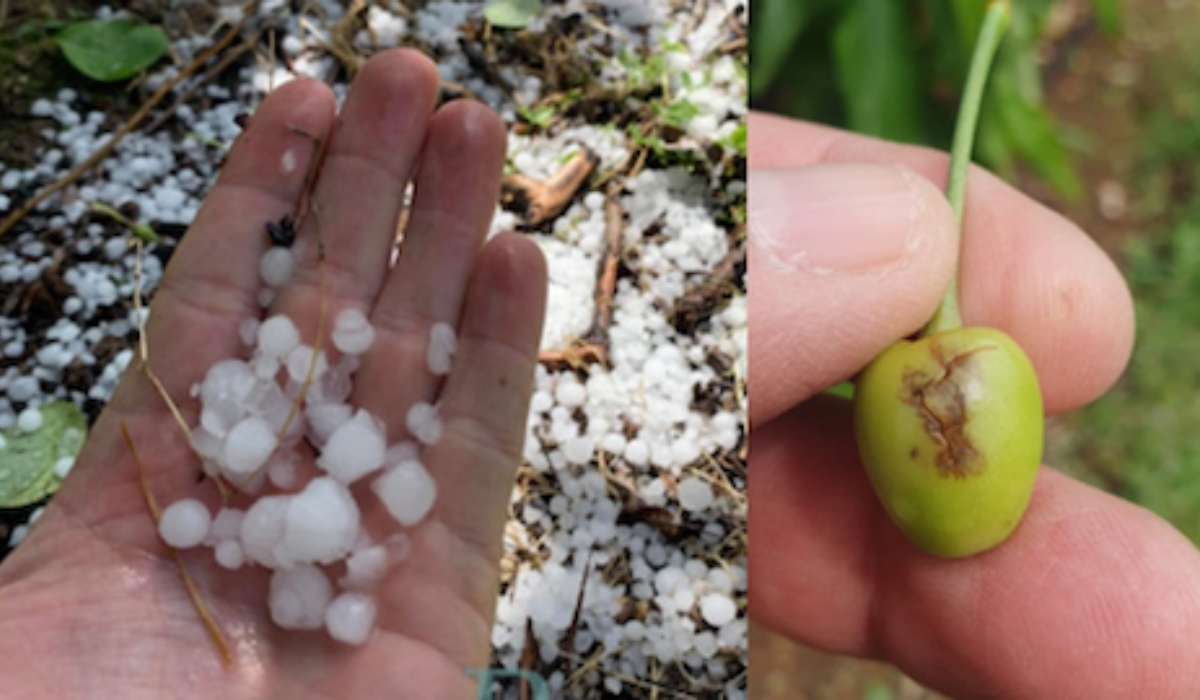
[{"x": 942, "y": 406}]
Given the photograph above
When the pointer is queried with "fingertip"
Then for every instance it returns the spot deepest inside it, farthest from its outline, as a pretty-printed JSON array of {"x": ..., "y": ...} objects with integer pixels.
[
  {"x": 1038, "y": 277},
  {"x": 844, "y": 260},
  {"x": 472, "y": 125},
  {"x": 515, "y": 270},
  {"x": 266, "y": 154}
]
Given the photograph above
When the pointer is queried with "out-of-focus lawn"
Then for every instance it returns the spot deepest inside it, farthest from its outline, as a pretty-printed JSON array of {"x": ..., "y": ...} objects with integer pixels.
[{"x": 1142, "y": 440}]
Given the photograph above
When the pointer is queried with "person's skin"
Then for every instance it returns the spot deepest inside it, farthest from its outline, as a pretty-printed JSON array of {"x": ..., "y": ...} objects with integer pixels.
[
  {"x": 91, "y": 605},
  {"x": 852, "y": 245}
]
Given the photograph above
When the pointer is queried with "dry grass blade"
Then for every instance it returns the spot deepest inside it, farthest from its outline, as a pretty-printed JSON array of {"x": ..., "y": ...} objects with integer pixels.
[
  {"x": 568, "y": 641},
  {"x": 144, "y": 359},
  {"x": 529, "y": 657},
  {"x": 202, "y": 609}
]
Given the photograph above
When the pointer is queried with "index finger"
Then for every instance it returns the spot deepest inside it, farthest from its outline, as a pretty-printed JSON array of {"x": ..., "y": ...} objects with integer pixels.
[{"x": 212, "y": 282}]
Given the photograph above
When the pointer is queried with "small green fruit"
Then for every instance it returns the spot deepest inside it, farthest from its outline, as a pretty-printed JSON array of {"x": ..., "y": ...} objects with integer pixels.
[{"x": 950, "y": 430}]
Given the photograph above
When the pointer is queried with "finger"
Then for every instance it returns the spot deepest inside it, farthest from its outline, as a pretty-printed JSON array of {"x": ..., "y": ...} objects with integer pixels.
[
  {"x": 360, "y": 189},
  {"x": 208, "y": 289},
  {"x": 212, "y": 282},
  {"x": 1025, "y": 269},
  {"x": 1091, "y": 597},
  {"x": 486, "y": 397},
  {"x": 453, "y": 204},
  {"x": 845, "y": 259}
]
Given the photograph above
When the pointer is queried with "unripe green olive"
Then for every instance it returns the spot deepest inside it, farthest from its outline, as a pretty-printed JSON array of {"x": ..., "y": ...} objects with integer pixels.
[{"x": 949, "y": 427}]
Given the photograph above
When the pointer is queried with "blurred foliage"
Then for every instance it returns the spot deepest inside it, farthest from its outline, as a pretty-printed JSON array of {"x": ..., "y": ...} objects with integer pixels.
[
  {"x": 1139, "y": 441},
  {"x": 895, "y": 68}
]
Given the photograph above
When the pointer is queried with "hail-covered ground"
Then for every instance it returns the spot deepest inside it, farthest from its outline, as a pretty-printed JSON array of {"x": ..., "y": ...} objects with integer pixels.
[{"x": 625, "y": 569}]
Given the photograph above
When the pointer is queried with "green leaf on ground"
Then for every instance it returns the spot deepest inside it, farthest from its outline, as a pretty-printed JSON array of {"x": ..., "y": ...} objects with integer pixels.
[
  {"x": 512, "y": 14},
  {"x": 27, "y": 459},
  {"x": 111, "y": 50}
]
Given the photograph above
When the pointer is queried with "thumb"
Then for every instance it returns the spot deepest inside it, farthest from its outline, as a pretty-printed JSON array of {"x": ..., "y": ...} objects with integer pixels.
[{"x": 844, "y": 259}]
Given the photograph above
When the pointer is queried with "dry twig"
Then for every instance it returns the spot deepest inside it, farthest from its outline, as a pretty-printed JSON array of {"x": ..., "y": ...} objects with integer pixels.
[{"x": 542, "y": 200}]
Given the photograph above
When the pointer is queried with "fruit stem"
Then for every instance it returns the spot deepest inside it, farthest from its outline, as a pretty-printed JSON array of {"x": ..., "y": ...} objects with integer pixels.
[{"x": 995, "y": 22}]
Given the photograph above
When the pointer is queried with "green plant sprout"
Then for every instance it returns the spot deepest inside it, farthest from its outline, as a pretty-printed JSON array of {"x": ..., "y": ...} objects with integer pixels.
[{"x": 949, "y": 426}]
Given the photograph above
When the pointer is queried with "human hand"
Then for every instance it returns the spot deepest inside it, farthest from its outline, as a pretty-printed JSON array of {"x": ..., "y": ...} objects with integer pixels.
[
  {"x": 92, "y": 605},
  {"x": 1092, "y": 597}
]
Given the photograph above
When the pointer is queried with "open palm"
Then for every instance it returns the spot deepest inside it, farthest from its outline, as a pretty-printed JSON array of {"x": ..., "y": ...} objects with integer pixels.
[{"x": 92, "y": 605}]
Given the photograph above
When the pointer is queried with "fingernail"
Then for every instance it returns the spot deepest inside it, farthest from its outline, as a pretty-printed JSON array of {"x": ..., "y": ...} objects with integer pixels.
[{"x": 834, "y": 218}]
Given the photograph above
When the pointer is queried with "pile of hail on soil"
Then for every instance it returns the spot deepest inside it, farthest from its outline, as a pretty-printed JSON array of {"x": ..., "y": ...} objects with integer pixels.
[{"x": 625, "y": 571}]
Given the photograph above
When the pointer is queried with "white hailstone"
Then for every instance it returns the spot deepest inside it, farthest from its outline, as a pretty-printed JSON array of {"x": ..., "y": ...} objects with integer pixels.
[
  {"x": 356, "y": 448},
  {"x": 217, "y": 419},
  {"x": 570, "y": 394},
  {"x": 227, "y": 387},
  {"x": 541, "y": 401},
  {"x": 29, "y": 420},
  {"x": 717, "y": 609},
  {"x": 62, "y": 467},
  {"x": 424, "y": 423},
  {"x": 407, "y": 490},
  {"x": 275, "y": 406},
  {"x": 184, "y": 523},
  {"x": 266, "y": 297},
  {"x": 321, "y": 523},
  {"x": 352, "y": 332},
  {"x": 206, "y": 444},
  {"x": 706, "y": 644},
  {"x": 299, "y": 360},
  {"x": 18, "y": 535},
  {"x": 364, "y": 567},
  {"x": 23, "y": 388},
  {"x": 277, "y": 266},
  {"x": 262, "y": 529},
  {"x": 227, "y": 525},
  {"x": 636, "y": 452},
  {"x": 442, "y": 345},
  {"x": 278, "y": 337},
  {"x": 578, "y": 450},
  {"x": 248, "y": 446},
  {"x": 248, "y": 330},
  {"x": 350, "y": 618},
  {"x": 229, "y": 554},
  {"x": 685, "y": 451},
  {"x": 299, "y": 597},
  {"x": 325, "y": 418},
  {"x": 283, "y": 469},
  {"x": 264, "y": 366},
  {"x": 695, "y": 494}
]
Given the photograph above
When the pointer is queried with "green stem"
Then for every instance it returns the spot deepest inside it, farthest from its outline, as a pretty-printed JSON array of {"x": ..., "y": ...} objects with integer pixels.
[{"x": 995, "y": 22}]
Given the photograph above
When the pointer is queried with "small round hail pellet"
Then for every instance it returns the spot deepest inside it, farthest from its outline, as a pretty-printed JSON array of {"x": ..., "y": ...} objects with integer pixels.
[{"x": 184, "y": 523}]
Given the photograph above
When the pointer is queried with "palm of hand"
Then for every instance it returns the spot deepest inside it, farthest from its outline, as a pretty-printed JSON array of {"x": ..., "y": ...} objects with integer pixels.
[{"x": 95, "y": 588}]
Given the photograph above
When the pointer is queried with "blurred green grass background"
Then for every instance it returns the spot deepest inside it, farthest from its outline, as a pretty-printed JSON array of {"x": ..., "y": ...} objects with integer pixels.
[{"x": 1094, "y": 110}]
